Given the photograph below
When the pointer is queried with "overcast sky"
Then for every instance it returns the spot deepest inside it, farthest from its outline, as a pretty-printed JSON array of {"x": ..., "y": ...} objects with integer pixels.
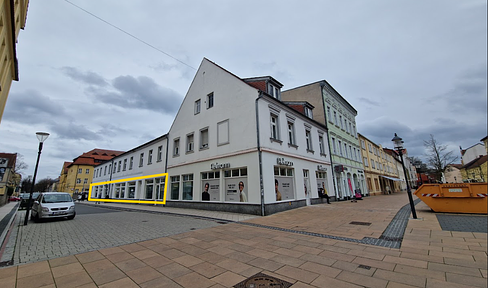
[{"x": 409, "y": 67}]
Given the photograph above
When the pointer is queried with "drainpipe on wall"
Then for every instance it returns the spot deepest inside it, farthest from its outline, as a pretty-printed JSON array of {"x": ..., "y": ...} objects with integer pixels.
[
  {"x": 260, "y": 156},
  {"x": 328, "y": 137}
]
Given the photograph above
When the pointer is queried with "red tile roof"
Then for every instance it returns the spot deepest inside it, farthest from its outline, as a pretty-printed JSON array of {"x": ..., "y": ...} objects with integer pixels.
[{"x": 95, "y": 157}]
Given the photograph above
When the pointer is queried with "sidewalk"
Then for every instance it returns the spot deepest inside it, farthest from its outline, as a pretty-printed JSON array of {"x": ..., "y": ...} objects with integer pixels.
[{"x": 315, "y": 246}]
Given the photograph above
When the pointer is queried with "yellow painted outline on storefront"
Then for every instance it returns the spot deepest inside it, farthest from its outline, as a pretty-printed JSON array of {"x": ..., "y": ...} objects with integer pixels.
[{"x": 127, "y": 180}]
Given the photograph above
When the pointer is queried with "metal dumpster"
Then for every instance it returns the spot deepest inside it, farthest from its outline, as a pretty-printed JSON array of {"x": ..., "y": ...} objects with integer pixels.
[{"x": 455, "y": 198}]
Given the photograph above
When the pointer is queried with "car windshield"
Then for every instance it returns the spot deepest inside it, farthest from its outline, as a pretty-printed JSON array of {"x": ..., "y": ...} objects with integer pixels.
[
  {"x": 53, "y": 198},
  {"x": 26, "y": 195}
]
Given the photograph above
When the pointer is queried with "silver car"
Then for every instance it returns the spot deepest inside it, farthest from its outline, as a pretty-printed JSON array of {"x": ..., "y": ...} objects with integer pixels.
[{"x": 53, "y": 205}]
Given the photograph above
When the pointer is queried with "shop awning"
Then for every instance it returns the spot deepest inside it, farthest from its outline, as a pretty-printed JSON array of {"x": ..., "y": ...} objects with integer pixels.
[{"x": 391, "y": 178}]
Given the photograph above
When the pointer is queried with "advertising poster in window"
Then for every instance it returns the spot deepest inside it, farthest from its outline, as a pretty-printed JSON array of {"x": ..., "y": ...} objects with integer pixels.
[
  {"x": 322, "y": 186},
  {"x": 285, "y": 188},
  {"x": 236, "y": 190},
  {"x": 211, "y": 190}
]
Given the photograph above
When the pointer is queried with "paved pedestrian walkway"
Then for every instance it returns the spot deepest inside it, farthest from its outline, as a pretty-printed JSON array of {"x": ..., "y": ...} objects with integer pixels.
[{"x": 288, "y": 247}]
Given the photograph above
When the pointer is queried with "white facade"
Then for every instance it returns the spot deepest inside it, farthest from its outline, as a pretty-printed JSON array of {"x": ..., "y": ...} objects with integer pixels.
[
  {"x": 147, "y": 159},
  {"x": 228, "y": 132},
  {"x": 472, "y": 153}
]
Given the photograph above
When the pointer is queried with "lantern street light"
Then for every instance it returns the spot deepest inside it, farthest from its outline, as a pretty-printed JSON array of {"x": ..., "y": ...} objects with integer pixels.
[
  {"x": 42, "y": 136},
  {"x": 398, "y": 144}
]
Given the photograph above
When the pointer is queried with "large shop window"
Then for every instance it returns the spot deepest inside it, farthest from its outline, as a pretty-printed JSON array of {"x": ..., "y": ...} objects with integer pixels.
[
  {"x": 149, "y": 189},
  {"x": 236, "y": 185},
  {"x": 132, "y": 189},
  {"x": 159, "y": 188},
  {"x": 284, "y": 183},
  {"x": 211, "y": 186},
  {"x": 322, "y": 184},
  {"x": 187, "y": 187},
  {"x": 175, "y": 187}
]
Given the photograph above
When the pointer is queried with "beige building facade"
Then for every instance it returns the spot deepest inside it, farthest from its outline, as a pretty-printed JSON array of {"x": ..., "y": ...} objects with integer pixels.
[
  {"x": 380, "y": 168},
  {"x": 12, "y": 18}
]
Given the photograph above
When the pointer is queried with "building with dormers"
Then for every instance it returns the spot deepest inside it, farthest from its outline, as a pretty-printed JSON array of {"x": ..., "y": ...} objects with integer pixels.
[
  {"x": 332, "y": 110},
  {"x": 79, "y": 174},
  {"x": 235, "y": 146}
]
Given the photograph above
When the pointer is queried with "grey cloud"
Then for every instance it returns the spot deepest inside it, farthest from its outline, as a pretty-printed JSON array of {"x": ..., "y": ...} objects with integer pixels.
[
  {"x": 140, "y": 93},
  {"x": 469, "y": 92},
  {"x": 74, "y": 132},
  {"x": 369, "y": 101},
  {"x": 32, "y": 107},
  {"x": 112, "y": 131},
  {"x": 90, "y": 78}
]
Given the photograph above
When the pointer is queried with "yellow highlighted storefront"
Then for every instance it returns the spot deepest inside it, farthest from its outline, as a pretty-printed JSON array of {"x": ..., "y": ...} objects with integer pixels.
[{"x": 160, "y": 199}]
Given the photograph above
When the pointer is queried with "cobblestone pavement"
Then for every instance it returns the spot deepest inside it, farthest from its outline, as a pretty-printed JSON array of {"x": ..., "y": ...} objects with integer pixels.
[
  {"x": 48, "y": 240},
  {"x": 463, "y": 223}
]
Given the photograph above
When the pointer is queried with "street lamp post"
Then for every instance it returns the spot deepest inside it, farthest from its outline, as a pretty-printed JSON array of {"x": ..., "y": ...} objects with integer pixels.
[
  {"x": 42, "y": 136},
  {"x": 398, "y": 143}
]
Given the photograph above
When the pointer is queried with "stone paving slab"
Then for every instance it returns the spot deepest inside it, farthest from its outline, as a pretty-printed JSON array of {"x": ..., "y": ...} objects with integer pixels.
[
  {"x": 463, "y": 223},
  {"x": 225, "y": 255}
]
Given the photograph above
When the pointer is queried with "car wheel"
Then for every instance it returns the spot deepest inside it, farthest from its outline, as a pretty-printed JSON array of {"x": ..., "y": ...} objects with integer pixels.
[
  {"x": 35, "y": 217},
  {"x": 71, "y": 217}
]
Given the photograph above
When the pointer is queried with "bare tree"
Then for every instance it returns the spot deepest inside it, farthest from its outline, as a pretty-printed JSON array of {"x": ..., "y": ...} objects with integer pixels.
[
  {"x": 437, "y": 156},
  {"x": 20, "y": 164}
]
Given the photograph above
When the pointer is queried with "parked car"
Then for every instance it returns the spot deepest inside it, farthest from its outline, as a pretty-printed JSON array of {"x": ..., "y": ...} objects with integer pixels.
[
  {"x": 50, "y": 205},
  {"x": 13, "y": 198},
  {"x": 24, "y": 198}
]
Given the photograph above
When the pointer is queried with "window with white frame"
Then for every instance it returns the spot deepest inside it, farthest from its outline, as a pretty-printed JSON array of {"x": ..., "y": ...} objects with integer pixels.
[
  {"x": 366, "y": 163},
  {"x": 87, "y": 171},
  {"x": 125, "y": 164},
  {"x": 274, "y": 91},
  {"x": 85, "y": 181},
  {"x": 291, "y": 133},
  {"x": 274, "y": 127},
  {"x": 363, "y": 145},
  {"x": 131, "y": 162},
  {"x": 308, "y": 112},
  {"x": 210, "y": 100},
  {"x": 115, "y": 167},
  {"x": 176, "y": 147},
  {"x": 204, "y": 138},
  {"x": 340, "y": 147},
  {"x": 370, "y": 147},
  {"x": 187, "y": 187},
  {"x": 354, "y": 130},
  {"x": 335, "y": 118},
  {"x": 308, "y": 139},
  {"x": 78, "y": 180},
  {"x": 189, "y": 143},
  {"x": 321, "y": 144},
  {"x": 141, "y": 159},
  {"x": 350, "y": 152},
  {"x": 120, "y": 166},
  {"x": 345, "y": 150},
  {"x": 80, "y": 170},
  {"x": 350, "y": 128},
  {"x": 340, "y": 120},
  {"x": 105, "y": 171},
  {"x": 160, "y": 153},
  {"x": 198, "y": 105},
  {"x": 372, "y": 164},
  {"x": 329, "y": 116},
  {"x": 175, "y": 188},
  {"x": 334, "y": 145},
  {"x": 149, "y": 157}
]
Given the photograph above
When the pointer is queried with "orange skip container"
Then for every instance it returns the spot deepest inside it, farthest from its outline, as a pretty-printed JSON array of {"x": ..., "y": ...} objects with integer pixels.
[{"x": 455, "y": 198}]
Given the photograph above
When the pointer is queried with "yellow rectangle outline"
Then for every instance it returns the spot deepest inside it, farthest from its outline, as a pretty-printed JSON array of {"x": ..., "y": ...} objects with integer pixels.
[{"x": 128, "y": 180}]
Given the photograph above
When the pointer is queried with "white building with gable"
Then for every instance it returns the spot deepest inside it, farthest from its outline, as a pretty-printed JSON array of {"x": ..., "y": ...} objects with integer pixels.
[{"x": 235, "y": 146}]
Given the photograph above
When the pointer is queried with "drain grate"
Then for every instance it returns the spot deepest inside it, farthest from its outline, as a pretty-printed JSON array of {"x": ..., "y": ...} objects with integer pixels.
[
  {"x": 261, "y": 280},
  {"x": 360, "y": 223},
  {"x": 364, "y": 267}
]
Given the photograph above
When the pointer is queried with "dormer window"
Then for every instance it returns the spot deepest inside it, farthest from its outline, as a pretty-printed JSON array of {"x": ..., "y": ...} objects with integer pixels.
[
  {"x": 308, "y": 112},
  {"x": 274, "y": 91}
]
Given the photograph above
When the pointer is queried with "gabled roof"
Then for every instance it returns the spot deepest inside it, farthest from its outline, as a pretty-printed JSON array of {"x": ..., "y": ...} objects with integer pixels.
[
  {"x": 95, "y": 157},
  {"x": 476, "y": 162}
]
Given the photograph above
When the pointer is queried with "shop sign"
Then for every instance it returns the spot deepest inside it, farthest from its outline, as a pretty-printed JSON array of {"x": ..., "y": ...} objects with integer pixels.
[
  {"x": 321, "y": 168},
  {"x": 282, "y": 161},
  {"x": 219, "y": 166}
]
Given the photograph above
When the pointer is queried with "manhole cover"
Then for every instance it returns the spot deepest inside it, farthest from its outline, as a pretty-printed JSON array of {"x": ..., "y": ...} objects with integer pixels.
[
  {"x": 261, "y": 280},
  {"x": 360, "y": 223}
]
